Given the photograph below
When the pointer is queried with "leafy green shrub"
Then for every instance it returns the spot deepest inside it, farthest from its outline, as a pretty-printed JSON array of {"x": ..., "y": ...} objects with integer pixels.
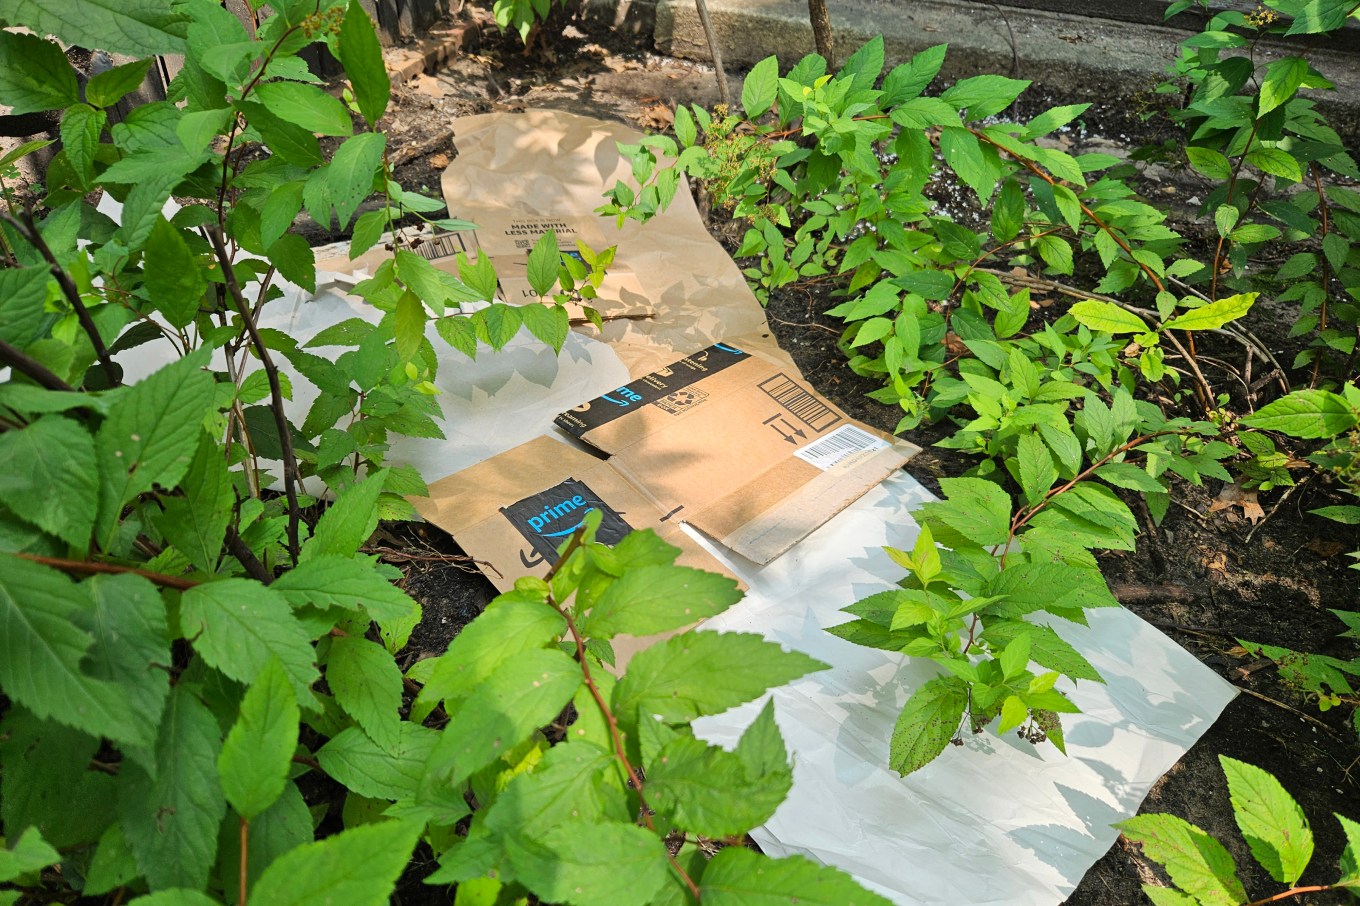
[
  {"x": 1275, "y": 829},
  {"x": 524, "y": 17},
  {"x": 199, "y": 696}
]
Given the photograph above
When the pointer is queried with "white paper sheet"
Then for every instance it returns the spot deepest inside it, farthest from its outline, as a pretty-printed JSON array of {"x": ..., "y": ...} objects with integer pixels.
[{"x": 995, "y": 821}]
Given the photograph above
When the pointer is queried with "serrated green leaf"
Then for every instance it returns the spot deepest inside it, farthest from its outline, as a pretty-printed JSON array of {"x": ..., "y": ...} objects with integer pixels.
[
  {"x": 1107, "y": 317},
  {"x": 984, "y": 95},
  {"x": 108, "y": 87},
  {"x": 81, "y": 126},
  {"x": 1209, "y": 163},
  {"x": 41, "y": 618},
  {"x": 1276, "y": 162},
  {"x": 435, "y": 288},
  {"x": 361, "y": 56},
  {"x": 258, "y": 751},
  {"x": 550, "y": 323},
  {"x": 367, "y": 684},
  {"x": 927, "y": 723},
  {"x": 497, "y": 324},
  {"x": 48, "y": 477},
  {"x": 508, "y": 627},
  {"x": 368, "y": 769},
  {"x": 238, "y": 625},
  {"x": 594, "y": 864},
  {"x": 911, "y": 78},
  {"x": 408, "y": 326},
  {"x": 46, "y": 781},
  {"x": 351, "y": 583},
  {"x": 136, "y": 27},
  {"x": 1036, "y": 467},
  {"x": 113, "y": 864},
  {"x": 761, "y": 88},
  {"x": 544, "y": 261},
  {"x": 977, "y": 508},
  {"x": 1307, "y": 414},
  {"x": 34, "y": 74},
  {"x": 22, "y": 293},
  {"x": 170, "y": 820},
  {"x": 520, "y": 696},
  {"x": 349, "y": 178},
  {"x": 700, "y": 673},
  {"x": 1197, "y": 863},
  {"x": 357, "y": 867},
  {"x": 196, "y": 523},
  {"x": 655, "y": 599},
  {"x": 739, "y": 877},
  {"x": 1047, "y": 648},
  {"x": 975, "y": 164},
  {"x": 175, "y": 896},
  {"x": 1271, "y": 821},
  {"x": 28, "y": 854},
  {"x": 310, "y": 108},
  {"x": 1214, "y": 314},
  {"x": 1281, "y": 82},
  {"x": 173, "y": 277},
  {"x": 348, "y": 522},
  {"x": 150, "y": 434}
]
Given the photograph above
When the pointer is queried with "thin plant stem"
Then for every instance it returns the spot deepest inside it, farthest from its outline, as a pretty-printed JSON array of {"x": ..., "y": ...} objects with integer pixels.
[
  {"x": 90, "y": 568},
  {"x": 291, "y": 476},
  {"x": 245, "y": 858},
  {"x": 724, "y": 96}
]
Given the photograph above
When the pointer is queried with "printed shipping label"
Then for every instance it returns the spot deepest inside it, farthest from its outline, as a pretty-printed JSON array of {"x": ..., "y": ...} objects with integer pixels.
[
  {"x": 548, "y": 518},
  {"x": 440, "y": 246},
  {"x": 845, "y": 442}
]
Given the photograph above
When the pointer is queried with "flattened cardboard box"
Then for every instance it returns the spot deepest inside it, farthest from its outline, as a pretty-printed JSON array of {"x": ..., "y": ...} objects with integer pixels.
[
  {"x": 738, "y": 447},
  {"x": 511, "y": 512}
]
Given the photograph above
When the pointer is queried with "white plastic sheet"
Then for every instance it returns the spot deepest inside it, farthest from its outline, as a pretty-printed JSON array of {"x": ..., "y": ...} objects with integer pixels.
[{"x": 995, "y": 821}]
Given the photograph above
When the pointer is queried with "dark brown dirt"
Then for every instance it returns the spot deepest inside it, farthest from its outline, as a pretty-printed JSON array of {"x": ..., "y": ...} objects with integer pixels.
[{"x": 1206, "y": 578}]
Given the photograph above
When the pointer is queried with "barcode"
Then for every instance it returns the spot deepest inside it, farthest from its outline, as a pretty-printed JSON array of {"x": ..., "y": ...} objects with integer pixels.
[
  {"x": 801, "y": 405},
  {"x": 844, "y": 442},
  {"x": 441, "y": 245}
]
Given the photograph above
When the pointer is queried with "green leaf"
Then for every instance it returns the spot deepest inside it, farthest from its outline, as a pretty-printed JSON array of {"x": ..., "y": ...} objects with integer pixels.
[
  {"x": 549, "y": 323},
  {"x": 699, "y": 673},
  {"x": 1209, "y": 163},
  {"x": 361, "y": 56},
  {"x": 408, "y": 326},
  {"x": 21, "y": 151},
  {"x": 1197, "y": 863},
  {"x": 1107, "y": 317},
  {"x": 659, "y": 598},
  {"x": 1214, "y": 314},
  {"x": 29, "y": 854},
  {"x": 108, "y": 87},
  {"x": 926, "y": 725},
  {"x": 976, "y": 165},
  {"x": 1307, "y": 414},
  {"x": 1271, "y": 821},
  {"x": 911, "y": 78},
  {"x": 237, "y": 625},
  {"x": 22, "y": 293},
  {"x": 348, "y": 522},
  {"x": 544, "y": 260},
  {"x": 984, "y": 95},
  {"x": 174, "y": 278},
  {"x": 48, "y": 477},
  {"x": 685, "y": 131},
  {"x": 508, "y": 627},
  {"x": 42, "y": 647},
  {"x": 310, "y": 108},
  {"x": 1047, "y": 648},
  {"x": 739, "y": 877},
  {"x": 1348, "y": 515},
  {"x": 349, "y": 178},
  {"x": 149, "y": 437},
  {"x": 46, "y": 769},
  {"x": 1057, "y": 254},
  {"x": 1035, "y": 464},
  {"x": 291, "y": 142},
  {"x": 865, "y": 64},
  {"x": 285, "y": 825},
  {"x": 523, "y": 694},
  {"x": 1129, "y": 477},
  {"x": 350, "y": 583},
  {"x": 175, "y": 896},
  {"x": 356, "y": 867},
  {"x": 1276, "y": 162},
  {"x": 294, "y": 259},
  {"x": 1008, "y": 211},
  {"x": 34, "y": 74},
  {"x": 1282, "y": 80},
  {"x": 258, "y": 751},
  {"x": 434, "y": 287},
  {"x": 761, "y": 87},
  {"x": 707, "y": 790},
  {"x": 81, "y": 126},
  {"x": 393, "y": 772},
  {"x": 196, "y": 523},
  {"x": 595, "y": 864},
  {"x": 134, "y": 27},
  {"x": 367, "y": 684},
  {"x": 170, "y": 820},
  {"x": 977, "y": 508}
]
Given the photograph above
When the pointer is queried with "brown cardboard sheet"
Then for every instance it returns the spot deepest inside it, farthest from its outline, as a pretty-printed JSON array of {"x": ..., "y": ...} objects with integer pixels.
[
  {"x": 511, "y": 512},
  {"x": 738, "y": 446}
]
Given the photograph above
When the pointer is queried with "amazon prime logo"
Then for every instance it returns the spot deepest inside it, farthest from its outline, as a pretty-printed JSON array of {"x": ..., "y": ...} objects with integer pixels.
[{"x": 546, "y": 519}]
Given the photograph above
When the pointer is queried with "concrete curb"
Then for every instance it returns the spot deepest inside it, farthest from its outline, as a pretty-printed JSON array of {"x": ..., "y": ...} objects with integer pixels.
[{"x": 1113, "y": 64}]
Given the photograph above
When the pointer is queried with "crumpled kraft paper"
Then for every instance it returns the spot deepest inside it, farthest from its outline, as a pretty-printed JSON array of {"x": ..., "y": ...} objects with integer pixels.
[{"x": 994, "y": 821}]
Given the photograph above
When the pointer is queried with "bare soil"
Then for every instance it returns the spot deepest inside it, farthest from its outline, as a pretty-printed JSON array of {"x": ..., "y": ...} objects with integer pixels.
[{"x": 1207, "y": 577}]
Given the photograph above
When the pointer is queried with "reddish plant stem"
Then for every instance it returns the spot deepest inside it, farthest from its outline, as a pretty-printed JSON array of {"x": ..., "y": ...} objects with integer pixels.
[
  {"x": 1291, "y": 892},
  {"x": 1326, "y": 270},
  {"x": 620, "y": 752},
  {"x": 245, "y": 856},
  {"x": 89, "y": 567}
]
